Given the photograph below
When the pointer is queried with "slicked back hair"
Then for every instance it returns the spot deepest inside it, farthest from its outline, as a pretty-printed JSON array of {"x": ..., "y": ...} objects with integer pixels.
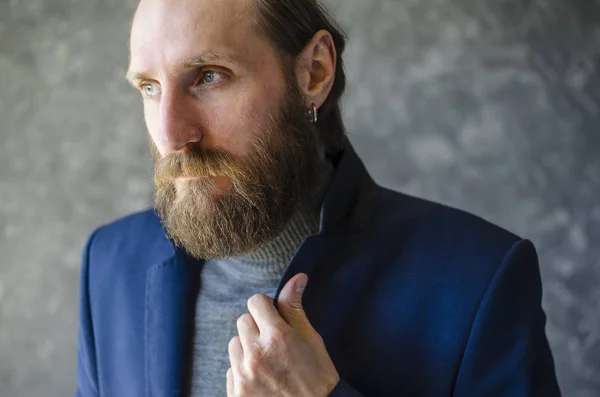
[{"x": 290, "y": 25}]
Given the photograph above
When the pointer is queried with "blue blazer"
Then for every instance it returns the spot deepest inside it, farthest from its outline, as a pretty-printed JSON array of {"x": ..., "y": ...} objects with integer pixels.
[{"x": 411, "y": 298}]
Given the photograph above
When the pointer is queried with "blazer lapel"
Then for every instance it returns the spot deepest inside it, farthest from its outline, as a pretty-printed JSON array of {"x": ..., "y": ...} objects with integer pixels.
[{"x": 171, "y": 292}]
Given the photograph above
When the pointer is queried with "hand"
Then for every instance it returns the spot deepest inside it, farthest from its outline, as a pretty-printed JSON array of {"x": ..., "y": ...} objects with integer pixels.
[{"x": 279, "y": 354}]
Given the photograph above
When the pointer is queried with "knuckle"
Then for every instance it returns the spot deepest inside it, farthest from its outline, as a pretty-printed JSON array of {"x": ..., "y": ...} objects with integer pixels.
[
  {"x": 234, "y": 342},
  {"x": 253, "y": 350},
  {"x": 245, "y": 318},
  {"x": 253, "y": 368},
  {"x": 257, "y": 299},
  {"x": 253, "y": 300},
  {"x": 277, "y": 336},
  {"x": 318, "y": 338},
  {"x": 244, "y": 385}
]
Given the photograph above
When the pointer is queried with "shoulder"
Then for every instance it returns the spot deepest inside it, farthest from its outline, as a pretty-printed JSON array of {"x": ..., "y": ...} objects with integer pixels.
[
  {"x": 437, "y": 223},
  {"x": 438, "y": 239},
  {"x": 439, "y": 256},
  {"x": 146, "y": 222},
  {"x": 137, "y": 238}
]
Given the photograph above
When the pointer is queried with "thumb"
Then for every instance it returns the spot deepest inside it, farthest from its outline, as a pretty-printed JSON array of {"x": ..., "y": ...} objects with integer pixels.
[{"x": 290, "y": 304}]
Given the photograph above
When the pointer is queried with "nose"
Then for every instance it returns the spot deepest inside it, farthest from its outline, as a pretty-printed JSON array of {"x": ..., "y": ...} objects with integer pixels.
[{"x": 179, "y": 122}]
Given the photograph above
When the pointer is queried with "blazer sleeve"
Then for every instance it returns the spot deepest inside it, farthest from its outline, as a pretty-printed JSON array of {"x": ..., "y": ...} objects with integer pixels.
[
  {"x": 507, "y": 352},
  {"x": 87, "y": 378}
]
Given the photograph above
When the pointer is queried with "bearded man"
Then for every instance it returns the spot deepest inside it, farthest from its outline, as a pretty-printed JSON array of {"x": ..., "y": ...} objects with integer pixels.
[{"x": 271, "y": 263}]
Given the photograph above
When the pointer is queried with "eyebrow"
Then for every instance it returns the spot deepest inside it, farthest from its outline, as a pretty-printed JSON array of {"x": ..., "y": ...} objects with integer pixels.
[{"x": 205, "y": 58}]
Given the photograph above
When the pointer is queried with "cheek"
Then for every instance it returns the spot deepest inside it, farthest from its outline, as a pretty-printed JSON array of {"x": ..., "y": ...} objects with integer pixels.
[
  {"x": 152, "y": 123},
  {"x": 237, "y": 122},
  {"x": 229, "y": 126}
]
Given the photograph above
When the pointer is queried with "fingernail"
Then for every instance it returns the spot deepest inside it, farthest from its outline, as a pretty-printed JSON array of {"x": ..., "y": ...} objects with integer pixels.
[{"x": 301, "y": 285}]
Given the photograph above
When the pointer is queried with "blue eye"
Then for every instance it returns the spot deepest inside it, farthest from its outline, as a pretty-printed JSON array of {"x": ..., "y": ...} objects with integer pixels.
[
  {"x": 151, "y": 90},
  {"x": 210, "y": 77}
]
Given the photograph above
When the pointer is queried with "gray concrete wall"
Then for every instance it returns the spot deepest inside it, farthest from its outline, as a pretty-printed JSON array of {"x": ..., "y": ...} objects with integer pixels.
[{"x": 491, "y": 106}]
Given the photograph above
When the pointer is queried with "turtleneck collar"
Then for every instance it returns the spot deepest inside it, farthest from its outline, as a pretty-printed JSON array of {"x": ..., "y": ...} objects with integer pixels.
[{"x": 272, "y": 258}]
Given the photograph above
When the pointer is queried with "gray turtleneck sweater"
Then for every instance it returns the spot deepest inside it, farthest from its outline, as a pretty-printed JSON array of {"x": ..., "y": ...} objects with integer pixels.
[{"x": 227, "y": 284}]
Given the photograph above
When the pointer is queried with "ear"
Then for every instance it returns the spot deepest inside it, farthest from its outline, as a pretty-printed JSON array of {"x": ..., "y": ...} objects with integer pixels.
[{"x": 315, "y": 68}]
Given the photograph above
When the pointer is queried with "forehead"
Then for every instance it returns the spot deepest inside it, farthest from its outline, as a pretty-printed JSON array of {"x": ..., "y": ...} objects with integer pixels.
[{"x": 168, "y": 32}]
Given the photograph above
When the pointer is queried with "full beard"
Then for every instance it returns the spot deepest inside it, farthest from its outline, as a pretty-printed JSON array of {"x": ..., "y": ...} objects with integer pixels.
[{"x": 267, "y": 185}]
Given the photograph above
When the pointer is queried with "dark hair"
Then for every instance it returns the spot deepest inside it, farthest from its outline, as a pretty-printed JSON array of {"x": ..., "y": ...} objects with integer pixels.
[{"x": 290, "y": 25}]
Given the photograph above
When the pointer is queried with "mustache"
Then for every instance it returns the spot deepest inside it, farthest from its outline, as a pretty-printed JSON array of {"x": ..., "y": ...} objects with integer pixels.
[{"x": 195, "y": 161}]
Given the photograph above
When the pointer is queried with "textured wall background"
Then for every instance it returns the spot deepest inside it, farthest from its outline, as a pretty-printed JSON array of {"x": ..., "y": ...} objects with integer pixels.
[{"x": 493, "y": 107}]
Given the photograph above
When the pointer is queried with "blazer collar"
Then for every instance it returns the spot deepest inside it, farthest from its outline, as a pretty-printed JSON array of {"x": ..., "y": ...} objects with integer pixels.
[
  {"x": 347, "y": 208},
  {"x": 171, "y": 290},
  {"x": 172, "y": 286},
  {"x": 349, "y": 200}
]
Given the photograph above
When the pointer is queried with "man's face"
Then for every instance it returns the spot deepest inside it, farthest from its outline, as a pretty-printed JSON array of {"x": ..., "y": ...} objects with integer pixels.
[{"x": 232, "y": 147}]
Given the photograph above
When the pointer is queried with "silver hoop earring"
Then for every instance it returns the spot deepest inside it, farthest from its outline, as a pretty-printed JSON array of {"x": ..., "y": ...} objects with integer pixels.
[{"x": 313, "y": 114}]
